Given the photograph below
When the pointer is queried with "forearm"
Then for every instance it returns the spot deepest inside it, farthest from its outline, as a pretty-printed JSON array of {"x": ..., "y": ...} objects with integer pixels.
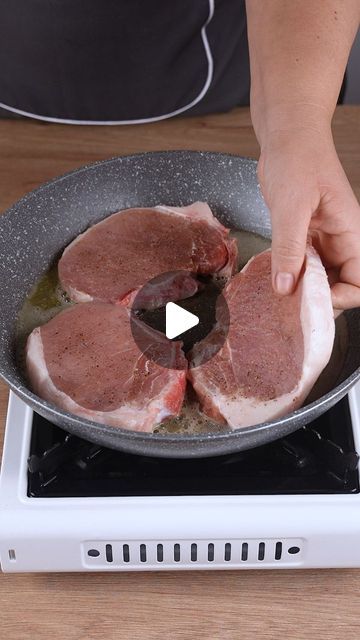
[{"x": 298, "y": 55}]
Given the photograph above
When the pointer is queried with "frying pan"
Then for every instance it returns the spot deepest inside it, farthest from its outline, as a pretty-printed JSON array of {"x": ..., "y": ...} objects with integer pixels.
[{"x": 35, "y": 230}]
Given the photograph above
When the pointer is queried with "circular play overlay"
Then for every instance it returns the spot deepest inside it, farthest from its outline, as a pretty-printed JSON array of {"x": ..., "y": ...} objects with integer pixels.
[{"x": 179, "y": 307}]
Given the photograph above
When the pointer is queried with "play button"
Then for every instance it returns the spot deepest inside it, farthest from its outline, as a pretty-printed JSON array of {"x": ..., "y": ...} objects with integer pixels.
[
  {"x": 178, "y": 320},
  {"x": 179, "y": 307}
]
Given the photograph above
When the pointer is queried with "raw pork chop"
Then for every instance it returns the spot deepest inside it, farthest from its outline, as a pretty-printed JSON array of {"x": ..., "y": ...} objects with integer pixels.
[
  {"x": 113, "y": 259},
  {"x": 275, "y": 349},
  {"x": 85, "y": 361}
]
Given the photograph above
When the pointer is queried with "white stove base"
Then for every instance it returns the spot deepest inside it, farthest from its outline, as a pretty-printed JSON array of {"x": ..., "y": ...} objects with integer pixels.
[{"x": 167, "y": 533}]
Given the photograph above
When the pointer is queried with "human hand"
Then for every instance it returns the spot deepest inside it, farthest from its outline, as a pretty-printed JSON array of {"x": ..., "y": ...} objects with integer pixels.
[{"x": 307, "y": 192}]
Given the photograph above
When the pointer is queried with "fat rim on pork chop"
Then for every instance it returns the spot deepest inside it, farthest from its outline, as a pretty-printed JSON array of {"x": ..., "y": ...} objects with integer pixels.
[
  {"x": 275, "y": 349},
  {"x": 86, "y": 361}
]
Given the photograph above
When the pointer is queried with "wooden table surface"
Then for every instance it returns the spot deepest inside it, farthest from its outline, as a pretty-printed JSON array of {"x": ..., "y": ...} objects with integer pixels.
[{"x": 295, "y": 605}]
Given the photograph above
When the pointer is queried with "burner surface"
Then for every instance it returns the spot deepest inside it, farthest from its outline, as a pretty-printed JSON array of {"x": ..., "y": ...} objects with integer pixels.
[{"x": 319, "y": 458}]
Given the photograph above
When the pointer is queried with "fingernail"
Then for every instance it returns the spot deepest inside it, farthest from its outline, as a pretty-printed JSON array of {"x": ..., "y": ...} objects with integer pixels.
[{"x": 284, "y": 283}]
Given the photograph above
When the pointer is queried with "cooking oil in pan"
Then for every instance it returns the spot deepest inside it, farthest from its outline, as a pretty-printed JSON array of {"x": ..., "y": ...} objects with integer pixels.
[
  {"x": 44, "y": 301},
  {"x": 190, "y": 421},
  {"x": 249, "y": 245}
]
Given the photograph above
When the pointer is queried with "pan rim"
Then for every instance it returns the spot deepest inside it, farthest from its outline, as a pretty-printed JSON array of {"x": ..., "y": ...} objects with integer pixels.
[
  {"x": 93, "y": 165},
  {"x": 339, "y": 391}
]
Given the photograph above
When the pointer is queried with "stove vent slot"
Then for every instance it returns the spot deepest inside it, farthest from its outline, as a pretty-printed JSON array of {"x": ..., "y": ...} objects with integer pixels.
[
  {"x": 159, "y": 552},
  {"x": 126, "y": 553},
  {"x": 109, "y": 553},
  {"x": 177, "y": 552},
  {"x": 261, "y": 552},
  {"x": 143, "y": 553},
  {"x": 211, "y": 552},
  {"x": 12, "y": 555},
  {"x": 227, "y": 554},
  {"x": 151, "y": 553},
  {"x": 244, "y": 551},
  {"x": 193, "y": 557}
]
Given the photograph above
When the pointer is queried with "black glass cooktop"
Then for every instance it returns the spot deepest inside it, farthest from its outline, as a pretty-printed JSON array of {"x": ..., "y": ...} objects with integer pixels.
[{"x": 318, "y": 458}]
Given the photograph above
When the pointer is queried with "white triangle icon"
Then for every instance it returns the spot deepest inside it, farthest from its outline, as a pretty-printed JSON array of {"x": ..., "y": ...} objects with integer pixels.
[{"x": 178, "y": 320}]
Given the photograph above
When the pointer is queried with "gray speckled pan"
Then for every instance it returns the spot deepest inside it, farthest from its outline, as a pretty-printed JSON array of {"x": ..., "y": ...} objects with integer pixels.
[{"x": 36, "y": 229}]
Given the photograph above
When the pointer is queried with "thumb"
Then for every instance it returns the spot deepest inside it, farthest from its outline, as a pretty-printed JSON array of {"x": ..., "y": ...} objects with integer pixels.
[{"x": 289, "y": 235}]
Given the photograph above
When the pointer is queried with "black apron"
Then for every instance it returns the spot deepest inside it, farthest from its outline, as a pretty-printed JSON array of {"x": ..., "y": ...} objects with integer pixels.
[{"x": 122, "y": 60}]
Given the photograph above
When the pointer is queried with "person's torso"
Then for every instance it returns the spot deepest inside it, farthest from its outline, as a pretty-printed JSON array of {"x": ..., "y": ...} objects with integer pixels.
[{"x": 122, "y": 60}]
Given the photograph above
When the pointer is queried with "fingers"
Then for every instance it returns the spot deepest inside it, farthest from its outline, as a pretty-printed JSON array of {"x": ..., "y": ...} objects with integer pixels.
[
  {"x": 289, "y": 235},
  {"x": 345, "y": 296},
  {"x": 345, "y": 292}
]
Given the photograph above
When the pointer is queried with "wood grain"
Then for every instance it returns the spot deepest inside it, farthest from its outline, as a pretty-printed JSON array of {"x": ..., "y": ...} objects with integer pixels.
[
  {"x": 205, "y": 605},
  {"x": 302, "y": 605}
]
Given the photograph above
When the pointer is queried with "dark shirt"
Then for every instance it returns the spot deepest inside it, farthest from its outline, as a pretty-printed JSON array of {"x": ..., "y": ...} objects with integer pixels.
[{"x": 122, "y": 60}]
